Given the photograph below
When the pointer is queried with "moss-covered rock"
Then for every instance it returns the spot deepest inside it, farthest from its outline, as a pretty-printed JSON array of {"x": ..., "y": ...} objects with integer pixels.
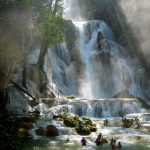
[
  {"x": 93, "y": 128},
  {"x": 23, "y": 133},
  {"x": 70, "y": 122},
  {"x": 71, "y": 97},
  {"x": 83, "y": 127},
  {"x": 87, "y": 121},
  {"x": 83, "y": 130},
  {"x": 50, "y": 131},
  {"x": 127, "y": 123}
]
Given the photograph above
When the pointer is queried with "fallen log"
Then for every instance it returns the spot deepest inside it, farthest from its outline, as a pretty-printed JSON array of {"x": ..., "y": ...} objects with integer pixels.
[{"x": 22, "y": 89}]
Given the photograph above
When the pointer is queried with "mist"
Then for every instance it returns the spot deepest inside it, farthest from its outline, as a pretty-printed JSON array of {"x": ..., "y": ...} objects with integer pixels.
[{"x": 137, "y": 16}]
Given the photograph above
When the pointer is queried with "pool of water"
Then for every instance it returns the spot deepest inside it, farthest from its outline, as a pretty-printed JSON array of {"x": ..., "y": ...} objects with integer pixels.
[
  {"x": 131, "y": 138},
  {"x": 59, "y": 145}
]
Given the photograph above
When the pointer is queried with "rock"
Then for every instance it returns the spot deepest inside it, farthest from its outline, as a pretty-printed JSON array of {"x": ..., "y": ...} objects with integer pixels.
[
  {"x": 70, "y": 122},
  {"x": 49, "y": 101},
  {"x": 102, "y": 141},
  {"x": 27, "y": 118},
  {"x": 86, "y": 121},
  {"x": 52, "y": 131},
  {"x": 48, "y": 93},
  {"x": 23, "y": 133},
  {"x": 127, "y": 123},
  {"x": 93, "y": 128},
  {"x": 40, "y": 131},
  {"x": 100, "y": 41},
  {"x": 123, "y": 94},
  {"x": 83, "y": 130},
  {"x": 71, "y": 97}
]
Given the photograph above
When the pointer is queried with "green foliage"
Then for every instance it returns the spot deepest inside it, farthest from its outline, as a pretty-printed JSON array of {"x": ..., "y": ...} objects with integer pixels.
[
  {"x": 70, "y": 122},
  {"x": 87, "y": 121},
  {"x": 84, "y": 127},
  {"x": 50, "y": 24},
  {"x": 71, "y": 97},
  {"x": 83, "y": 130},
  {"x": 24, "y": 25}
]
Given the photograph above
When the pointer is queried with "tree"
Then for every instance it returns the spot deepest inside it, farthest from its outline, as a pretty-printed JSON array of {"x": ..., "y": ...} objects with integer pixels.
[
  {"x": 50, "y": 24},
  {"x": 25, "y": 24}
]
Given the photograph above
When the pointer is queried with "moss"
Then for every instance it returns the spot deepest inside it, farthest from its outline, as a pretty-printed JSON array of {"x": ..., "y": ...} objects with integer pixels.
[
  {"x": 83, "y": 127},
  {"x": 71, "y": 97},
  {"x": 70, "y": 122},
  {"x": 127, "y": 123},
  {"x": 87, "y": 121},
  {"x": 83, "y": 130}
]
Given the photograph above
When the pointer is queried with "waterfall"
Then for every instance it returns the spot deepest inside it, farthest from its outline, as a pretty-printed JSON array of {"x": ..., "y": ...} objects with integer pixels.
[{"x": 95, "y": 65}]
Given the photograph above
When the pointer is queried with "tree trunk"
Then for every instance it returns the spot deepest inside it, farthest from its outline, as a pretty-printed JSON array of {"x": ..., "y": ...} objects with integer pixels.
[
  {"x": 42, "y": 55},
  {"x": 24, "y": 78},
  {"x": 40, "y": 64},
  {"x": 3, "y": 86}
]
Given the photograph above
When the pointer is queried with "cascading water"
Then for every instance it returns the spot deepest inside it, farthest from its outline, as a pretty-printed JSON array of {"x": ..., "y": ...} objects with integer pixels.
[
  {"x": 99, "y": 108},
  {"x": 105, "y": 67}
]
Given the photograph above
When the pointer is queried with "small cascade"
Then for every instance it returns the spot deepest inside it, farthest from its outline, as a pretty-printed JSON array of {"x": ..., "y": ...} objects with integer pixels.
[
  {"x": 100, "y": 108},
  {"x": 106, "y": 107}
]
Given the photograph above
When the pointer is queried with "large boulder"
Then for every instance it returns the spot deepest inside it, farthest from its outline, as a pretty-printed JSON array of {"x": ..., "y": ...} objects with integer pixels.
[
  {"x": 123, "y": 94},
  {"x": 127, "y": 123},
  {"x": 70, "y": 122},
  {"x": 83, "y": 130},
  {"x": 40, "y": 131},
  {"x": 50, "y": 131}
]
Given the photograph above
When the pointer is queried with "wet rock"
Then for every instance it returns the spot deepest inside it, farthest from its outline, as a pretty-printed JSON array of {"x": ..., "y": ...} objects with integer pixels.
[
  {"x": 70, "y": 122},
  {"x": 71, "y": 97},
  {"x": 101, "y": 141},
  {"x": 87, "y": 121},
  {"x": 49, "y": 93},
  {"x": 49, "y": 101},
  {"x": 23, "y": 133},
  {"x": 123, "y": 94},
  {"x": 51, "y": 130},
  {"x": 27, "y": 118},
  {"x": 127, "y": 123},
  {"x": 100, "y": 41},
  {"x": 93, "y": 128},
  {"x": 83, "y": 130},
  {"x": 40, "y": 131}
]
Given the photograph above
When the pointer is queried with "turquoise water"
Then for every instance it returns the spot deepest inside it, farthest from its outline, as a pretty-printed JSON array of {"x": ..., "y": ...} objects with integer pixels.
[
  {"x": 47, "y": 145},
  {"x": 127, "y": 137}
]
